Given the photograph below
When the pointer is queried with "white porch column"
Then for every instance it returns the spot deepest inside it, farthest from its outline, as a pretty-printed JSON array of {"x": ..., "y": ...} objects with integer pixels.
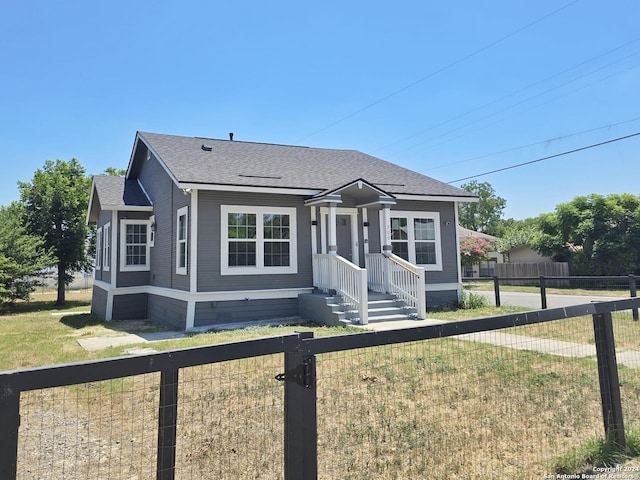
[
  {"x": 386, "y": 229},
  {"x": 314, "y": 231},
  {"x": 331, "y": 230},
  {"x": 386, "y": 246}
]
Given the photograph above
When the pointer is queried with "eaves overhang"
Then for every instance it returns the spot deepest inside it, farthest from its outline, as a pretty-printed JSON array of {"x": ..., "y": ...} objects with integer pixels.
[{"x": 434, "y": 198}]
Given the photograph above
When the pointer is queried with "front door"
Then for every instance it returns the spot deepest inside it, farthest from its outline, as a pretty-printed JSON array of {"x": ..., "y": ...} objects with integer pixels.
[
  {"x": 346, "y": 233},
  {"x": 343, "y": 236}
]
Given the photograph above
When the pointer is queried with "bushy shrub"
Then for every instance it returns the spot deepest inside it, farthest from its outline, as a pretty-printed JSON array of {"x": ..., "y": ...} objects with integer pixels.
[{"x": 470, "y": 300}]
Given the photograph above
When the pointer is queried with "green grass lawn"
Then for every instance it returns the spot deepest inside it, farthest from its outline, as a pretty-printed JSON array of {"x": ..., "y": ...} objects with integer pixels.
[{"x": 37, "y": 333}]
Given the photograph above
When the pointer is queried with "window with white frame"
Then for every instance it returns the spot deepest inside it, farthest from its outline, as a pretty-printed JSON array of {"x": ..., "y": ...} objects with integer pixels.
[
  {"x": 181, "y": 240},
  {"x": 135, "y": 245},
  {"x": 106, "y": 247},
  {"x": 99, "y": 248},
  {"x": 258, "y": 240},
  {"x": 415, "y": 236}
]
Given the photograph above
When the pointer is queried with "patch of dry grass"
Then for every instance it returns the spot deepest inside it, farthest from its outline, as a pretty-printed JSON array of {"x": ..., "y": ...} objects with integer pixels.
[
  {"x": 580, "y": 330},
  {"x": 444, "y": 408}
]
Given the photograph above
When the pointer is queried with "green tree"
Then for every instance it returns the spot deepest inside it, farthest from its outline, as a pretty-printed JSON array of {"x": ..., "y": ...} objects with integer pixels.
[
  {"x": 56, "y": 203},
  {"x": 115, "y": 172},
  {"x": 596, "y": 234},
  {"x": 22, "y": 255},
  {"x": 485, "y": 214},
  {"x": 516, "y": 233}
]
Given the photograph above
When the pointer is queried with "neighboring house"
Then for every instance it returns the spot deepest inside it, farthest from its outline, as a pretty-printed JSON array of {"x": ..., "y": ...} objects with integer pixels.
[
  {"x": 525, "y": 254},
  {"x": 203, "y": 232},
  {"x": 487, "y": 267}
]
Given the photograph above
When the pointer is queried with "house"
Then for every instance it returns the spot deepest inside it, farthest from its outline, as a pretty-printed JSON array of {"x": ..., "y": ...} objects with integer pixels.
[
  {"x": 202, "y": 232},
  {"x": 487, "y": 267},
  {"x": 525, "y": 254}
]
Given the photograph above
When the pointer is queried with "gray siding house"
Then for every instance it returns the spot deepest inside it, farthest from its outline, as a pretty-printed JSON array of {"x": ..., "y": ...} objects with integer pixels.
[{"x": 202, "y": 232}]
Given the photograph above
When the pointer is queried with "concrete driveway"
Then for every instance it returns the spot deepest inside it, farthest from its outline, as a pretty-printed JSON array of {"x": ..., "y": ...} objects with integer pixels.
[{"x": 534, "y": 301}]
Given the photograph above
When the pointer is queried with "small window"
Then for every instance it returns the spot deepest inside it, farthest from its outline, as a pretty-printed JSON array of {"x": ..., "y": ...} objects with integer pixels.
[
  {"x": 181, "y": 241},
  {"x": 99, "y": 248},
  {"x": 106, "y": 247},
  {"x": 135, "y": 245},
  {"x": 488, "y": 268}
]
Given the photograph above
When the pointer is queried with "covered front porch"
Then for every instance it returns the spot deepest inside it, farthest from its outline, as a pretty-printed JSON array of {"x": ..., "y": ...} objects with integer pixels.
[{"x": 352, "y": 252}]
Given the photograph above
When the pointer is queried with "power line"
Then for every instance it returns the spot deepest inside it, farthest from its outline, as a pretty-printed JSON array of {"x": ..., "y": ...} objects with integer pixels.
[
  {"x": 546, "y": 158},
  {"x": 524, "y": 101},
  {"x": 504, "y": 97},
  {"x": 548, "y": 141},
  {"x": 442, "y": 69}
]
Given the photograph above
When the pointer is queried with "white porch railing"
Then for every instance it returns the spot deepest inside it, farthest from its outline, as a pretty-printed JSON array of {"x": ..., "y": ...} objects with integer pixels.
[
  {"x": 388, "y": 273},
  {"x": 332, "y": 272}
]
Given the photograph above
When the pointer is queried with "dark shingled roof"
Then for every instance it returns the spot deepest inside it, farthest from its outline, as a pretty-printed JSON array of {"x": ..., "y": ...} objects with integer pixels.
[
  {"x": 119, "y": 192},
  {"x": 269, "y": 165}
]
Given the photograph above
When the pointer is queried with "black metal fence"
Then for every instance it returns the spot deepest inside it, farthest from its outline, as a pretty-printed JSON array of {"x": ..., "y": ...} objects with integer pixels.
[
  {"x": 498, "y": 397},
  {"x": 625, "y": 285}
]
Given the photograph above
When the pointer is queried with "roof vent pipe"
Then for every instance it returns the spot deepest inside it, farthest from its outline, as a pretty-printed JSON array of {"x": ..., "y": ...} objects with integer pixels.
[{"x": 231, "y": 136}]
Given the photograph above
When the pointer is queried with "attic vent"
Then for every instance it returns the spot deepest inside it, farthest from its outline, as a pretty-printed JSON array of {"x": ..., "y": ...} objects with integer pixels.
[
  {"x": 207, "y": 147},
  {"x": 259, "y": 176}
]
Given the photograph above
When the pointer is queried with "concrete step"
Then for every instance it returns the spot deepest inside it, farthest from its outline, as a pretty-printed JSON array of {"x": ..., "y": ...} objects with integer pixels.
[
  {"x": 377, "y": 312},
  {"x": 381, "y": 308}
]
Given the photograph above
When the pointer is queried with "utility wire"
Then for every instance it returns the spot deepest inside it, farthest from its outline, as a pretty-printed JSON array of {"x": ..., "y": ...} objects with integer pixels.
[
  {"x": 446, "y": 67},
  {"x": 546, "y": 158},
  {"x": 522, "y": 102},
  {"x": 543, "y": 142},
  {"x": 482, "y": 127},
  {"x": 504, "y": 97}
]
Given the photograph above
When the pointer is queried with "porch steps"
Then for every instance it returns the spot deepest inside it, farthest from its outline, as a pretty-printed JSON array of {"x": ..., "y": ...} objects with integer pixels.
[{"x": 331, "y": 310}]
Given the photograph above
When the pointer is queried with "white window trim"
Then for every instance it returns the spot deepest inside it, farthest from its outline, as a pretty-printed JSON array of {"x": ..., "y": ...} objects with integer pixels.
[
  {"x": 106, "y": 247},
  {"x": 184, "y": 211},
  {"x": 123, "y": 246},
  {"x": 98, "y": 249},
  {"x": 411, "y": 216},
  {"x": 259, "y": 269}
]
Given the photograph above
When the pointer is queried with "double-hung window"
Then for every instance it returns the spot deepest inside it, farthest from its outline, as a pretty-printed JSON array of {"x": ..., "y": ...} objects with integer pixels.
[
  {"x": 181, "y": 240},
  {"x": 258, "y": 240},
  {"x": 99, "y": 248},
  {"x": 135, "y": 244},
  {"x": 415, "y": 236},
  {"x": 106, "y": 247}
]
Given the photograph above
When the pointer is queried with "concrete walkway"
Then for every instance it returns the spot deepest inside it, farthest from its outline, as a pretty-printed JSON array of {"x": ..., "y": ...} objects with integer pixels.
[
  {"x": 100, "y": 343},
  {"x": 630, "y": 358}
]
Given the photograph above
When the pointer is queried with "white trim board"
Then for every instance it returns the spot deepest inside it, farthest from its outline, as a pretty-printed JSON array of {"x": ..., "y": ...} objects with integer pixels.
[{"x": 205, "y": 296}]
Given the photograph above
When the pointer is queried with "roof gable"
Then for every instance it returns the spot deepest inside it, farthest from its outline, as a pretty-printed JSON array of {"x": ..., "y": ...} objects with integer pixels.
[{"x": 116, "y": 193}]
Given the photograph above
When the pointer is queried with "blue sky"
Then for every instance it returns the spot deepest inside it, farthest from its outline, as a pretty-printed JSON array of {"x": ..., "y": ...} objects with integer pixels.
[{"x": 450, "y": 89}]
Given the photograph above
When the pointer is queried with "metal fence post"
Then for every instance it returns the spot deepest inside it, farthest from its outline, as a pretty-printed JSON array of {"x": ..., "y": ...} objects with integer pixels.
[
  {"x": 300, "y": 414},
  {"x": 543, "y": 291},
  {"x": 608, "y": 376},
  {"x": 167, "y": 424},
  {"x": 9, "y": 425},
  {"x": 496, "y": 289},
  {"x": 633, "y": 293}
]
